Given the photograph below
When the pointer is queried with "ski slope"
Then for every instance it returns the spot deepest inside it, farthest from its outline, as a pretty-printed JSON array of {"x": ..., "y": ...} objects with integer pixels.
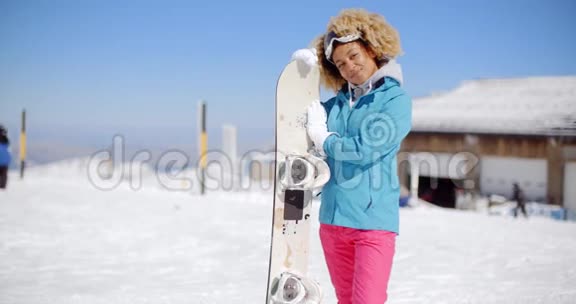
[{"x": 64, "y": 241}]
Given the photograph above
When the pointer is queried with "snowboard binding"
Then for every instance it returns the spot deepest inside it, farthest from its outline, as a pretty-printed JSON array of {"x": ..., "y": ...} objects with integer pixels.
[
  {"x": 299, "y": 178},
  {"x": 291, "y": 288},
  {"x": 306, "y": 172}
]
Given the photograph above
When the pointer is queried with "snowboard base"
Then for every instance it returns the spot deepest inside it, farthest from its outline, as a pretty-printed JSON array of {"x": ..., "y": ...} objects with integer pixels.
[{"x": 297, "y": 175}]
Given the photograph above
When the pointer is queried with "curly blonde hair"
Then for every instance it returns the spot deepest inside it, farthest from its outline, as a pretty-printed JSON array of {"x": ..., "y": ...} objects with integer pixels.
[{"x": 377, "y": 35}]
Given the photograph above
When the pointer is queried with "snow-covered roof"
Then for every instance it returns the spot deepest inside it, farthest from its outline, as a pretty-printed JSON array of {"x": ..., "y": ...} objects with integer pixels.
[{"x": 526, "y": 106}]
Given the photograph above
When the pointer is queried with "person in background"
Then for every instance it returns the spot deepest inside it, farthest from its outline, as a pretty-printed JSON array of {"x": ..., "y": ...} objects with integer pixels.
[
  {"x": 5, "y": 157},
  {"x": 518, "y": 196}
]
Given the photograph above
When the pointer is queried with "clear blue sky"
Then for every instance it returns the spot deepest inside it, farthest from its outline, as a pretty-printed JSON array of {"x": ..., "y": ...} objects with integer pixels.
[{"x": 87, "y": 69}]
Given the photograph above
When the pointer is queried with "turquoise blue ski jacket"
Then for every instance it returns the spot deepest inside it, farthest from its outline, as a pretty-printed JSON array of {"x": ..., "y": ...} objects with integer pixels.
[
  {"x": 363, "y": 191},
  {"x": 5, "y": 157}
]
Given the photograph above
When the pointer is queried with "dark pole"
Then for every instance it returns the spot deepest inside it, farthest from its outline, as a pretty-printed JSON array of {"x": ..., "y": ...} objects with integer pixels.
[
  {"x": 203, "y": 148},
  {"x": 23, "y": 144}
]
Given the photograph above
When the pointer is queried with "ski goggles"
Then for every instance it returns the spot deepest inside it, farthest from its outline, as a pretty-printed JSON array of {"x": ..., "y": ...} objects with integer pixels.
[{"x": 329, "y": 42}]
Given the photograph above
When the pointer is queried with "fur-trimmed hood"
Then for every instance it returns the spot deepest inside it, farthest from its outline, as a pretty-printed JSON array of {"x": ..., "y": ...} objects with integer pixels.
[{"x": 376, "y": 33}]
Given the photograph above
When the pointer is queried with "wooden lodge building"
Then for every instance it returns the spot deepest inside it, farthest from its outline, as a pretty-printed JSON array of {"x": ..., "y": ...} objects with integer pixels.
[{"x": 486, "y": 135}]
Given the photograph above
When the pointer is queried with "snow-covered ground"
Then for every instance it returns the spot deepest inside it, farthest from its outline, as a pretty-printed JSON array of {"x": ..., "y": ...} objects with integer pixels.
[{"x": 64, "y": 241}]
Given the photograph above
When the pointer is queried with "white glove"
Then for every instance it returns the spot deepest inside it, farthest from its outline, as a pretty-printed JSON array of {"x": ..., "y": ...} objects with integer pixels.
[
  {"x": 317, "y": 128},
  {"x": 308, "y": 56}
]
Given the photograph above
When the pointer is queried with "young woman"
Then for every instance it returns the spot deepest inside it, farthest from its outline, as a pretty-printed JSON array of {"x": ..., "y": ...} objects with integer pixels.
[{"x": 359, "y": 131}]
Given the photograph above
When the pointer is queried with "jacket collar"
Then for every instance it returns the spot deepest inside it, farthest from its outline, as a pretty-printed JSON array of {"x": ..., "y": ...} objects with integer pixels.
[{"x": 381, "y": 85}]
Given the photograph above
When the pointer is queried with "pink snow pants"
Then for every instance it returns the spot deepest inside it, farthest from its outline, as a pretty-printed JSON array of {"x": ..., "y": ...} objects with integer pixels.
[{"x": 359, "y": 262}]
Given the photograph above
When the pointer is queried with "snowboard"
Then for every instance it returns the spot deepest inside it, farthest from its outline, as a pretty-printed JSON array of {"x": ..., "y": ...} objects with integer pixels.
[{"x": 299, "y": 172}]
